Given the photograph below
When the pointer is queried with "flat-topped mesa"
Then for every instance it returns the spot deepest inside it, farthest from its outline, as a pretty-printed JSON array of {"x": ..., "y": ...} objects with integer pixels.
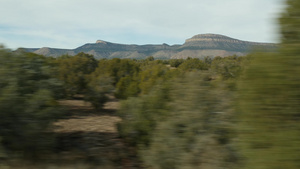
[
  {"x": 212, "y": 37},
  {"x": 204, "y": 38},
  {"x": 101, "y": 41}
]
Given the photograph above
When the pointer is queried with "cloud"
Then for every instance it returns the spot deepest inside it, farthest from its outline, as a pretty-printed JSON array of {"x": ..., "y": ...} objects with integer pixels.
[{"x": 74, "y": 22}]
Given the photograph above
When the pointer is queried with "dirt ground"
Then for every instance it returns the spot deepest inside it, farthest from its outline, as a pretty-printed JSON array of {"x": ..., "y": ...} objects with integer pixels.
[
  {"x": 85, "y": 139},
  {"x": 90, "y": 137},
  {"x": 85, "y": 119}
]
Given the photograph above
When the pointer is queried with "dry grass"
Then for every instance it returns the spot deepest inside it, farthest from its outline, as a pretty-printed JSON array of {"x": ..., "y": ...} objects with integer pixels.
[
  {"x": 86, "y": 119},
  {"x": 86, "y": 139},
  {"x": 91, "y": 123}
]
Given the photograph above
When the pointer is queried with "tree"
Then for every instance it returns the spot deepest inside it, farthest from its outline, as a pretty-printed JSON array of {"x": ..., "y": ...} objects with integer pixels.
[
  {"x": 141, "y": 114},
  {"x": 117, "y": 68},
  {"x": 191, "y": 64},
  {"x": 127, "y": 87},
  {"x": 151, "y": 75},
  {"x": 268, "y": 105},
  {"x": 196, "y": 131},
  {"x": 176, "y": 62},
  {"x": 73, "y": 71},
  {"x": 229, "y": 67},
  {"x": 98, "y": 89},
  {"x": 27, "y": 103},
  {"x": 150, "y": 58}
]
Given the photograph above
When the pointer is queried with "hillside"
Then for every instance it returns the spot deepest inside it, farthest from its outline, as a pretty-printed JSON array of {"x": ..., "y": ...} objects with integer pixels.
[{"x": 198, "y": 46}]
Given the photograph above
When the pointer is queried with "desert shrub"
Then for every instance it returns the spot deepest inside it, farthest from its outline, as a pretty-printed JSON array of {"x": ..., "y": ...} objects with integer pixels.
[
  {"x": 72, "y": 71},
  {"x": 192, "y": 64},
  {"x": 127, "y": 86},
  {"x": 98, "y": 89},
  {"x": 122, "y": 73},
  {"x": 228, "y": 67},
  {"x": 141, "y": 114},
  {"x": 117, "y": 68},
  {"x": 176, "y": 62},
  {"x": 197, "y": 132},
  {"x": 268, "y": 104},
  {"x": 268, "y": 111},
  {"x": 27, "y": 104},
  {"x": 150, "y": 75}
]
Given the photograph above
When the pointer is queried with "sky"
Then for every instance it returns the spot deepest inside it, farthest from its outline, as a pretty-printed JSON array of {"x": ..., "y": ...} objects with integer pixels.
[{"x": 72, "y": 23}]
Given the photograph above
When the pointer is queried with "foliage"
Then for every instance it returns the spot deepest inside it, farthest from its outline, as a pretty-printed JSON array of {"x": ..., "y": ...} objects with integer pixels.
[
  {"x": 150, "y": 58},
  {"x": 72, "y": 70},
  {"x": 151, "y": 75},
  {"x": 269, "y": 97},
  {"x": 97, "y": 90},
  {"x": 269, "y": 110},
  {"x": 142, "y": 82},
  {"x": 27, "y": 105},
  {"x": 191, "y": 64},
  {"x": 229, "y": 67},
  {"x": 289, "y": 24},
  {"x": 127, "y": 86},
  {"x": 117, "y": 68},
  {"x": 141, "y": 114},
  {"x": 197, "y": 131},
  {"x": 176, "y": 62}
]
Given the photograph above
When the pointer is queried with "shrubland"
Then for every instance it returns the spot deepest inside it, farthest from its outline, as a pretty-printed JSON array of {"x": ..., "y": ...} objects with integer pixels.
[
  {"x": 211, "y": 113},
  {"x": 27, "y": 103}
]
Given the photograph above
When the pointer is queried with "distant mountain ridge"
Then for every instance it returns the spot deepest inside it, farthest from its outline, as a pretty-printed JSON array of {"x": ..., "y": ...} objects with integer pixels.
[{"x": 198, "y": 46}]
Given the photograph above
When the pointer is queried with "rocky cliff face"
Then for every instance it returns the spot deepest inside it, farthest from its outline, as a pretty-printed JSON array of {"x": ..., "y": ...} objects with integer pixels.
[
  {"x": 221, "y": 42},
  {"x": 211, "y": 37},
  {"x": 198, "y": 46}
]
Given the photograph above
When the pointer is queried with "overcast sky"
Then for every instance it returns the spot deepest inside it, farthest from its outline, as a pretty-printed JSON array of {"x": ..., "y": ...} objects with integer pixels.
[{"x": 72, "y": 23}]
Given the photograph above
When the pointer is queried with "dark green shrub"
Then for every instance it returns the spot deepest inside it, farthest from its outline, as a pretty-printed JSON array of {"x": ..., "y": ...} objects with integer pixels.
[
  {"x": 27, "y": 104},
  {"x": 176, "y": 62},
  {"x": 98, "y": 89},
  {"x": 192, "y": 64},
  {"x": 141, "y": 114},
  {"x": 268, "y": 104},
  {"x": 72, "y": 71},
  {"x": 197, "y": 131}
]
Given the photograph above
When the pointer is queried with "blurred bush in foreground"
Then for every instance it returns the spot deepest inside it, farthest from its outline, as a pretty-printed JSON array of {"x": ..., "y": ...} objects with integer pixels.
[
  {"x": 184, "y": 123},
  {"x": 197, "y": 132},
  {"x": 27, "y": 105},
  {"x": 269, "y": 101}
]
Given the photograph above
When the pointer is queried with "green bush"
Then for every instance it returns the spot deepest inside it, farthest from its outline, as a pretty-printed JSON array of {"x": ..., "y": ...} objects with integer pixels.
[
  {"x": 228, "y": 67},
  {"x": 116, "y": 68},
  {"x": 268, "y": 108},
  {"x": 193, "y": 64},
  {"x": 197, "y": 131},
  {"x": 176, "y": 62},
  {"x": 141, "y": 114},
  {"x": 268, "y": 105},
  {"x": 98, "y": 89},
  {"x": 127, "y": 86},
  {"x": 72, "y": 71},
  {"x": 27, "y": 104}
]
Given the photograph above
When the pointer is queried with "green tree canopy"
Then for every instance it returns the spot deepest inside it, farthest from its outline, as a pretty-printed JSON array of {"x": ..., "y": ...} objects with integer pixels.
[
  {"x": 72, "y": 70},
  {"x": 191, "y": 64},
  {"x": 269, "y": 101},
  {"x": 27, "y": 104}
]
